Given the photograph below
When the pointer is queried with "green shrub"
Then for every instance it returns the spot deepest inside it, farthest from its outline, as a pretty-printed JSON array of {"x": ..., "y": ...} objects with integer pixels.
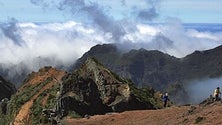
[
  {"x": 36, "y": 109},
  {"x": 24, "y": 95},
  {"x": 199, "y": 119},
  {"x": 73, "y": 114}
]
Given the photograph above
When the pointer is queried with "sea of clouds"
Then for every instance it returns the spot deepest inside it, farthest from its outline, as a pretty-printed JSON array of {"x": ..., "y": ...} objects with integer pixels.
[
  {"x": 28, "y": 46},
  {"x": 63, "y": 43},
  {"x": 95, "y": 22}
]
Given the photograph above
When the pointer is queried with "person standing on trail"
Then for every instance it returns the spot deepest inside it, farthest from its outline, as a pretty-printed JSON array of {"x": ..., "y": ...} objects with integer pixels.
[
  {"x": 217, "y": 93},
  {"x": 165, "y": 99}
]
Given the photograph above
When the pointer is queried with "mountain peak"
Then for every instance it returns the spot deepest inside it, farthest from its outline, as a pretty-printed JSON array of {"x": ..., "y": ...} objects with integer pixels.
[
  {"x": 99, "y": 90},
  {"x": 93, "y": 68}
]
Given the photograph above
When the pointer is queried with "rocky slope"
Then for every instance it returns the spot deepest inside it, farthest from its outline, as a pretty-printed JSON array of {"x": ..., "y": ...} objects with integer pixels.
[
  {"x": 37, "y": 92},
  {"x": 49, "y": 95},
  {"x": 98, "y": 91}
]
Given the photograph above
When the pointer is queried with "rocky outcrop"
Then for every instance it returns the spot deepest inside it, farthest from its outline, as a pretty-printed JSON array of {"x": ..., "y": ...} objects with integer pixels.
[
  {"x": 210, "y": 100},
  {"x": 97, "y": 90}
]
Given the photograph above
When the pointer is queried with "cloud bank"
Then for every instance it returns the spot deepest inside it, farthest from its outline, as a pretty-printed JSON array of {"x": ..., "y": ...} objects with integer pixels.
[
  {"x": 199, "y": 90},
  {"x": 31, "y": 45},
  {"x": 68, "y": 41},
  {"x": 61, "y": 44}
]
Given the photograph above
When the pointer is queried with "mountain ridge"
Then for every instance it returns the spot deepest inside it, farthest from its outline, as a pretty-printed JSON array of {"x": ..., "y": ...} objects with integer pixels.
[
  {"x": 157, "y": 69},
  {"x": 171, "y": 69},
  {"x": 92, "y": 89}
]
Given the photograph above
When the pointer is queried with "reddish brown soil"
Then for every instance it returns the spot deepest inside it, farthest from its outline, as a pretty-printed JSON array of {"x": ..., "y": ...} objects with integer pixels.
[
  {"x": 182, "y": 115},
  {"x": 24, "y": 113}
]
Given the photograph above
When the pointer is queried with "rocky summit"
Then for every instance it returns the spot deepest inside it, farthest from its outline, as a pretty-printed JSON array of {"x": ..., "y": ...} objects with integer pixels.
[
  {"x": 97, "y": 90},
  {"x": 47, "y": 96}
]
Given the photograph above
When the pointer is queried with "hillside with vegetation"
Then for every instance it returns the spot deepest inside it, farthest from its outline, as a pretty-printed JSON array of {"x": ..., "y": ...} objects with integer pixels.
[
  {"x": 50, "y": 95},
  {"x": 37, "y": 92}
]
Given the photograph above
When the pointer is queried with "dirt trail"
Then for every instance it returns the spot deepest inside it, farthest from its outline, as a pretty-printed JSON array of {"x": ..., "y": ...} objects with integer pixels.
[
  {"x": 182, "y": 115},
  {"x": 24, "y": 113}
]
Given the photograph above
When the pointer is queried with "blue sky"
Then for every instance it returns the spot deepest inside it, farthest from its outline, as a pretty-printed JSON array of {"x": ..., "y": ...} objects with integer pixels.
[
  {"x": 188, "y": 11},
  {"x": 208, "y": 11},
  {"x": 72, "y": 27}
]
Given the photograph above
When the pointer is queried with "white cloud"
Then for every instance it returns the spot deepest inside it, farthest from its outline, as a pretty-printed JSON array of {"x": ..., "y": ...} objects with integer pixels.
[
  {"x": 30, "y": 46},
  {"x": 68, "y": 41},
  {"x": 201, "y": 89},
  {"x": 65, "y": 41},
  {"x": 147, "y": 29}
]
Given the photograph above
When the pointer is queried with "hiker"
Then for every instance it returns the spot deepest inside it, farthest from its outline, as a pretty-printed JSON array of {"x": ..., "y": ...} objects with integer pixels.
[
  {"x": 165, "y": 99},
  {"x": 217, "y": 93}
]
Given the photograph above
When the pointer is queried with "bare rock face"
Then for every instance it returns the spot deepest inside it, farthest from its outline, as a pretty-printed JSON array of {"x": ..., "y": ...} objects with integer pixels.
[{"x": 93, "y": 89}]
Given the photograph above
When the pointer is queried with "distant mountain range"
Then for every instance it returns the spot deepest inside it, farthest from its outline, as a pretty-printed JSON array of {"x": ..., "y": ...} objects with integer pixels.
[
  {"x": 157, "y": 69},
  {"x": 144, "y": 67}
]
